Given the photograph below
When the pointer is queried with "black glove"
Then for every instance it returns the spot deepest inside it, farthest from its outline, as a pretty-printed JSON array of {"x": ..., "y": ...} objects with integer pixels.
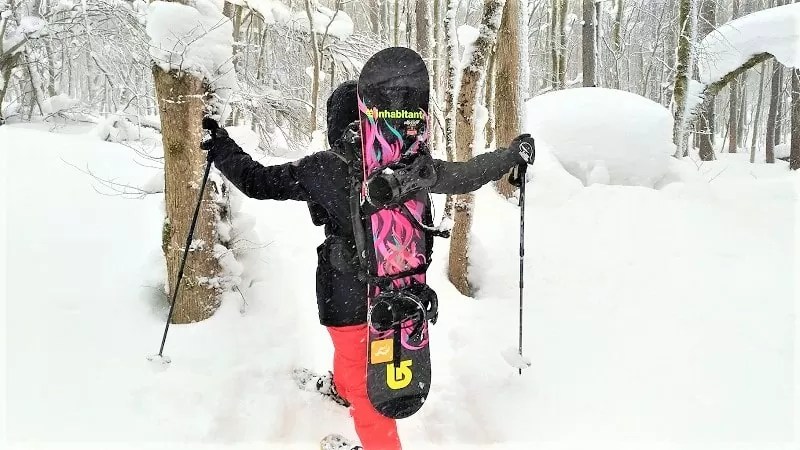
[
  {"x": 219, "y": 143},
  {"x": 525, "y": 147},
  {"x": 348, "y": 145}
]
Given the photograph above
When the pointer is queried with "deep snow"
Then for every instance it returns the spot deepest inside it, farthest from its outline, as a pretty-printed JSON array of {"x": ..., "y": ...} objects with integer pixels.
[
  {"x": 655, "y": 319},
  {"x": 604, "y": 136}
]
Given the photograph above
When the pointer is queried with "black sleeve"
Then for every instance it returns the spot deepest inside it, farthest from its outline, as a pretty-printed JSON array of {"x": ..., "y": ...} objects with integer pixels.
[
  {"x": 463, "y": 177},
  {"x": 278, "y": 182}
]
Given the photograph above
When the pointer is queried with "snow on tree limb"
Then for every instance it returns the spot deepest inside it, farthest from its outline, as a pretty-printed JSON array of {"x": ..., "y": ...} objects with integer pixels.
[
  {"x": 327, "y": 21},
  {"x": 775, "y": 31}
]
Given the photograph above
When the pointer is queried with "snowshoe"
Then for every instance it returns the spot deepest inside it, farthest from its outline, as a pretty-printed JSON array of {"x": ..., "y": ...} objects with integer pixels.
[
  {"x": 336, "y": 442},
  {"x": 321, "y": 384}
]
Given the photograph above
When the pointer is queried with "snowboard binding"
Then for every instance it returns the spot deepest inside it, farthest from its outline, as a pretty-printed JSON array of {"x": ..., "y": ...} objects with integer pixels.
[{"x": 401, "y": 315}]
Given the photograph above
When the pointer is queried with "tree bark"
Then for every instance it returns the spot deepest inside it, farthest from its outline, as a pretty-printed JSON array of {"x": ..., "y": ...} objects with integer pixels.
[
  {"x": 449, "y": 94},
  {"x": 507, "y": 100},
  {"x": 375, "y": 17},
  {"x": 794, "y": 154},
  {"x": 757, "y": 117},
  {"x": 779, "y": 107},
  {"x": 616, "y": 33},
  {"x": 552, "y": 38},
  {"x": 706, "y": 144},
  {"x": 471, "y": 79},
  {"x": 682, "y": 75},
  {"x": 489, "y": 97},
  {"x": 708, "y": 20},
  {"x": 315, "y": 56},
  {"x": 741, "y": 128},
  {"x": 589, "y": 47},
  {"x": 733, "y": 118},
  {"x": 396, "y": 23},
  {"x": 562, "y": 44},
  {"x": 181, "y": 101},
  {"x": 424, "y": 38},
  {"x": 733, "y": 110},
  {"x": 774, "y": 98}
]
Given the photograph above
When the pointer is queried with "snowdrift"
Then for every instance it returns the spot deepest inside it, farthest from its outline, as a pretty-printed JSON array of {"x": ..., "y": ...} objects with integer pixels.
[{"x": 602, "y": 135}]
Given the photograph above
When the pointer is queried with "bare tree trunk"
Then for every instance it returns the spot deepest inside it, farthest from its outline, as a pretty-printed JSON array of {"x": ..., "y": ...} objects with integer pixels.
[
  {"x": 424, "y": 37},
  {"x": 449, "y": 93},
  {"x": 706, "y": 138},
  {"x": 598, "y": 14},
  {"x": 471, "y": 79},
  {"x": 741, "y": 128},
  {"x": 616, "y": 33},
  {"x": 794, "y": 154},
  {"x": 708, "y": 19},
  {"x": 681, "y": 84},
  {"x": 562, "y": 44},
  {"x": 37, "y": 85},
  {"x": 386, "y": 29},
  {"x": 181, "y": 100},
  {"x": 757, "y": 117},
  {"x": 489, "y": 96},
  {"x": 774, "y": 98},
  {"x": 507, "y": 101},
  {"x": 553, "y": 40},
  {"x": 375, "y": 17},
  {"x": 779, "y": 108},
  {"x": 733, "y": 119},
  {"x": 436, "y": 43},
  {"x": 397, "y": 22},
  {"x": 315, "y": 56},
  {"x": 733, "y": 110},
  {"x": 589, "y": 49}
]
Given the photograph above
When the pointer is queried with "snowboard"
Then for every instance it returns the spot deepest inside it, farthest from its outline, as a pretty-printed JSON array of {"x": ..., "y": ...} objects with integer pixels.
[{"x": 393, "y": 93}]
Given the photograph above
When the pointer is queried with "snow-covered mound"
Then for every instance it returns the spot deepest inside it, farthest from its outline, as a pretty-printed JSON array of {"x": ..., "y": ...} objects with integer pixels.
[
  {"x": 775, "y": 31},
  {"x": 602, "y": 135}
]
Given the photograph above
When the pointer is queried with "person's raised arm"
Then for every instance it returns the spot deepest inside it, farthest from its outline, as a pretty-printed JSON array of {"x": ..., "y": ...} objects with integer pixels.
[
  {"x": 463, "y": 177},
  {"x": 278, "y": 182}
]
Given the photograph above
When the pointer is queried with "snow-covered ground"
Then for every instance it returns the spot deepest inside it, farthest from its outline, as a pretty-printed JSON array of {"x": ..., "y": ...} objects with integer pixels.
[{"x": 655, "y": 319}]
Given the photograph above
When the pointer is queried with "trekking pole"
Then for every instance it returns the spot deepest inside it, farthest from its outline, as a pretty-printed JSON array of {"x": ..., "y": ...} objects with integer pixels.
[
  {"x": 523, "y": 171},
  {"x": 513, "y": 356},
  {"x": 183, "y": 264}
]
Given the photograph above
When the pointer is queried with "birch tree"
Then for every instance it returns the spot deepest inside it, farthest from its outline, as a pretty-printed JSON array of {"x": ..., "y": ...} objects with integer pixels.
[
  {"x": 681, "y": 83},
  {"x": 472, "y": 77}
]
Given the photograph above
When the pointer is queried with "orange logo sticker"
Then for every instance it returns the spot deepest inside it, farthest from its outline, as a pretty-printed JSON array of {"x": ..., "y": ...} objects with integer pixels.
[{"x": 381, "y": 351}]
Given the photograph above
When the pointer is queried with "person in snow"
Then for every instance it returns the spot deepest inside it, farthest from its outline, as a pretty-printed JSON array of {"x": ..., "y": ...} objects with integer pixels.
[{"x": 322, "y": 180}]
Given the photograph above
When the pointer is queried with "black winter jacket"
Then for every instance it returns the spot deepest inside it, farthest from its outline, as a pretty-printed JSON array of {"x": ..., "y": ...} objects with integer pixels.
[{"x": 322, "y": 180}]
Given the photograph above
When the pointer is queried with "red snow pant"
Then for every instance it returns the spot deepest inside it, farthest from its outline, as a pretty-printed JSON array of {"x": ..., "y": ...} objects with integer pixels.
[{"x": 376, "y": 431}]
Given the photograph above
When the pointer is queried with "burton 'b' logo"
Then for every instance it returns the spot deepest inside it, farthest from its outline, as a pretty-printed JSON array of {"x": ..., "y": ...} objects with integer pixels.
[{"x": 400, "y": 377}]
